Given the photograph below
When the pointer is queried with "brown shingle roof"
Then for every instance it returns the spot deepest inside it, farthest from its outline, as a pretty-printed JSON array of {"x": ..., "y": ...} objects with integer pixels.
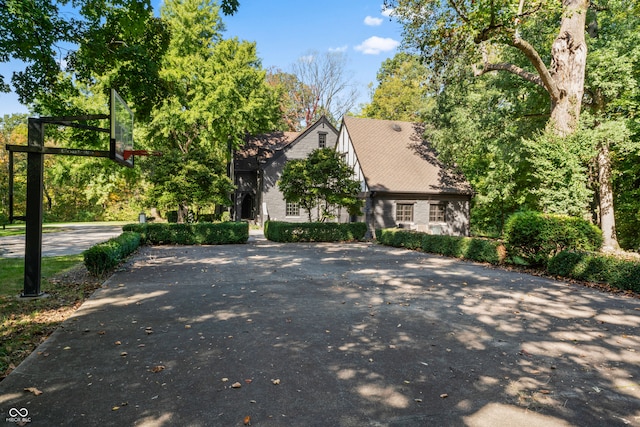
[
  {"x": 395, "y": 158},
  {"x": 261, "y": 148}
]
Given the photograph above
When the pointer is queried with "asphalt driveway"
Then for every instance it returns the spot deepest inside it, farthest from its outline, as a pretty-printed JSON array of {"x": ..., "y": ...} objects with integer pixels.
[
  {"x": 71, "y": 239},
  {"x": 333, "y": 335}
]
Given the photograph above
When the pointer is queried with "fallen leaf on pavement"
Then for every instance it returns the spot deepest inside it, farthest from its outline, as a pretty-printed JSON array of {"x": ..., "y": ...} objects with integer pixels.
[
  {"x": 247, "y": 420},
  {"x": 157, "y": 368},
  {"x": 33, "y": 390}
]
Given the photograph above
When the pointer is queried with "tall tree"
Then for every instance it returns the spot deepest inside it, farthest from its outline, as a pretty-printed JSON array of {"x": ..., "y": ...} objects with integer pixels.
[
  {"x": 217, "y": 95},
  {"x": 327, "y": 86},
  {"x": 121, "y": 38},
  {"x": 292, "y": 93},
  {"x": 542, "y": 32},
  {"x": 481, "y": 31},
  {"x": 404, "y": 92}
]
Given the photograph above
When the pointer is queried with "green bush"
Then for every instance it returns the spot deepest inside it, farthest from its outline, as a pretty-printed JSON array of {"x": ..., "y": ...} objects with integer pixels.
[
  {"x": 104, "y": 256},
  {"x": 201, "y": 233},
  {"x": 593, "y": 267},
  {"x": 482, "y": 250},
  {"x": 279, "y": 231},
  {"x": 400, "y": 238},
  {"x": 536, "y": 237}
]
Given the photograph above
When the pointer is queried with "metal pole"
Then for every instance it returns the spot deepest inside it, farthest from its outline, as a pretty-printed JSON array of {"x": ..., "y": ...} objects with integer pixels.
[
  {"x": 10, "y": 187},
  {"x": 33, "y": 237}
]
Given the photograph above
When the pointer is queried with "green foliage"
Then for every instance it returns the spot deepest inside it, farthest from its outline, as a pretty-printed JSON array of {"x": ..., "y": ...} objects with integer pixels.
[
  {"x": 217, "y": 95},
  {"x": 279, "y": 231},
  {"x": 323, "y": 179},
  {"x": 593, "y": 267},
  {"x": 402, "y": 92},
  {"x": 103, "y": 257},
  {"x": 475, "y": 249},
  {"x": 537, "y": 237},
  {"x": 201, "y": 233},
  {"x": 559, "y": 172}
]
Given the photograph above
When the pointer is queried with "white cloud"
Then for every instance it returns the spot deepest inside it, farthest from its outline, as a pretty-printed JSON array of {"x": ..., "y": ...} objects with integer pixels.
[
  {"x": 375, "y": 45},
  {"x": 371, "y": 21},
  {"x": 387, "y": 11},
  {"x": 339, "y": 49}
]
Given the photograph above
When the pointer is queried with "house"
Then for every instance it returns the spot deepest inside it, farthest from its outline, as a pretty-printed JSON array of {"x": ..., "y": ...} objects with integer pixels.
[
  {"x": 258, "y": 166},
  {"x": 403, "y": 182}
]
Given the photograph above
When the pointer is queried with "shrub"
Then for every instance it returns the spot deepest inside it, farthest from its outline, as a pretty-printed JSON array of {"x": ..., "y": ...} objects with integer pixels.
[
  {"x": 593, "y": 267},
  {"x": 475, "y": 249},
  {"x": 201, "y": 233},
  {"x": 104, "y": 256},
  {"x": 279, "y": 231},
  {"x": 536, "y": 237}
]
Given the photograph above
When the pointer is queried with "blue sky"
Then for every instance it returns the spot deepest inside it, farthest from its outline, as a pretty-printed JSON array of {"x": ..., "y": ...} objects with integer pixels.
[{"x": 285, "y": 30}]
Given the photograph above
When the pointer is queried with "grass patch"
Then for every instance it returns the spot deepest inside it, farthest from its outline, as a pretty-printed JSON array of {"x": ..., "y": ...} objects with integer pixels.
[
  {"x": 12, "y": 271},
  {"x": 25, "y": 323}
]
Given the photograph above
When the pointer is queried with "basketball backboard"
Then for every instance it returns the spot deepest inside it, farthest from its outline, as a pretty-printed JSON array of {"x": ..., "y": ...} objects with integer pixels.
[{"x": 121, "y": 130}]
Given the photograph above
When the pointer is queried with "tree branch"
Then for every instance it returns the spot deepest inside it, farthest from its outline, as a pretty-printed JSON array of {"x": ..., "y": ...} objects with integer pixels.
[
  {"x": 514, "y": 69},
  {"x": 460, "y": 13},
  {"x": 543, "y": 72}
]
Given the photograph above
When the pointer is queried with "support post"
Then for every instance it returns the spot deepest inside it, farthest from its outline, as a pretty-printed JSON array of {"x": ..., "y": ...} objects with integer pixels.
[
  {"x": 33, "y": 229},
  {"x": 10, "y": 187}
]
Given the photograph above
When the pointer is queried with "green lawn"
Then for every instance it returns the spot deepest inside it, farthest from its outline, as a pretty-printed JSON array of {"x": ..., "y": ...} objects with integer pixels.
[
  {"x": 26, "y": 322},
  {"x": 12, "y": 271}
]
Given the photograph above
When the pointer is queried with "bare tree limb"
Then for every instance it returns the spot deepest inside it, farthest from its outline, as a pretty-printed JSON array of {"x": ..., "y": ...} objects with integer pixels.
[
  {"x": 543, "y": 72},
  {"x": 514, "y": 69}
]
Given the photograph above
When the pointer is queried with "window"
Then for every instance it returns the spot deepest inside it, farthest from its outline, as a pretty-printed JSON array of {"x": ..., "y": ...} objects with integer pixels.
[
  {"x": 293, "y": 209},
  {"x": 404, "y": 212},
  {"x": 322, "y": 140},
  {"x": 437, "y": 212}
]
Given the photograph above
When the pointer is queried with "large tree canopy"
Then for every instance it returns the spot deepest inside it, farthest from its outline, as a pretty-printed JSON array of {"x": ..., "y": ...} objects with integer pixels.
[
  {"x": 553, "y": 55},
  {"x": 217, "y": 94},
  {"x": 543, "y": 46},
  {"x": 118, "y": 38}
]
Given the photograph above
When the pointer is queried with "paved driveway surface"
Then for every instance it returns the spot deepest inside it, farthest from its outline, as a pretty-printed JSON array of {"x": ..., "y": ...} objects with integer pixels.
[
  {"x": 70, "y": 240},
  {"x": 333, "y": 335}
]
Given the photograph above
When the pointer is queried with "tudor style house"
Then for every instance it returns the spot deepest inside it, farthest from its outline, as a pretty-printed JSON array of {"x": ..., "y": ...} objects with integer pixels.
[
  {"x": 403, "y": 182},
  {"x": 258, "y": 166}
]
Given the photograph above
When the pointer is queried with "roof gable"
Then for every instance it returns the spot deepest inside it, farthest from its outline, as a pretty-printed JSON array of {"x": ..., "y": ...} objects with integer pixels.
[
  {"x": 395, "y": 158},
  {"x": 264, "y": 148}
]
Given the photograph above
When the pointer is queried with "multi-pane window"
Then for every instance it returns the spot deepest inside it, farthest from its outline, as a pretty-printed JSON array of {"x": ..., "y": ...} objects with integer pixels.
[
  {"x": 404, "y": 212},
  {"x": 437, "y": 212},
  {"x": 322, "y": 140},
  {"x": 293, "y": 209}
]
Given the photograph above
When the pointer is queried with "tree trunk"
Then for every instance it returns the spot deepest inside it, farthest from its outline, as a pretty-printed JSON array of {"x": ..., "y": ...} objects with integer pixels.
[
  {"x": 568, "y": 64},
  {"x": 182, "y": 213},
  {"x": 607, "y": 218}
]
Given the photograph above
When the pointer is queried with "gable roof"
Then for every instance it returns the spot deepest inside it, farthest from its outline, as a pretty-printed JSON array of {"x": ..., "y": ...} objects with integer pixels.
[
  {"x": 261, "y": 149},
  {"x": 394, "y": 157}
]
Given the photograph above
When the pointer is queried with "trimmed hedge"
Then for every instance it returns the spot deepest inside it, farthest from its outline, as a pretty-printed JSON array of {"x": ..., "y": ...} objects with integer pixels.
[
  {"x": 201, "y": 233},
  {"x": 279, "y": 231},
  {"x": 104, "y": 256},
  {"x": 537, "y": 237},
  {"x": 475, "y": 249},
  {"x": 593, "y": 267}
]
